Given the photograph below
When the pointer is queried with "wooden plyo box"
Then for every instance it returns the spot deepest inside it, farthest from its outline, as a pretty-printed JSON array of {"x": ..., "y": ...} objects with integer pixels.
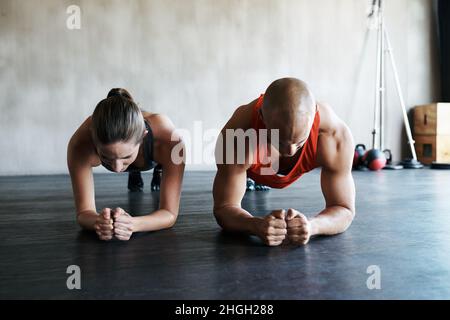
[
  {"x": 431, "y": 148},
  {"x": 432, "y": 132},
  {"x": 432, "y": 119}
]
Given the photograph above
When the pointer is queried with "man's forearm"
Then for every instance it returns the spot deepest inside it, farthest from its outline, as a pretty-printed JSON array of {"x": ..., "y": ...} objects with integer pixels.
[
  {"x": 332, "y": 220},
  {"x": 236, "y": 219}
]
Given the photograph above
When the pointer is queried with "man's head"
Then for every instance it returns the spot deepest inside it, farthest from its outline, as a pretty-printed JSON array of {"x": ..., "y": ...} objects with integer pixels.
[{"x": 289, "y": 106}]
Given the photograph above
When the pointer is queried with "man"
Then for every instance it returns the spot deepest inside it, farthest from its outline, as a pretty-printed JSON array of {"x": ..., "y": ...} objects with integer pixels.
[{"x": 310, "y": 135}]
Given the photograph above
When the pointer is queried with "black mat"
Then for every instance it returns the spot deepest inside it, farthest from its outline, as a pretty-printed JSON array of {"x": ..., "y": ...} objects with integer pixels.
[{"x": 402, "y": 226}]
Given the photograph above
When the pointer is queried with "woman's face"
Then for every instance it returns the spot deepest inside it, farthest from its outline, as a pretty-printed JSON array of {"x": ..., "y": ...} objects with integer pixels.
[{"x": 119, "y": 155}]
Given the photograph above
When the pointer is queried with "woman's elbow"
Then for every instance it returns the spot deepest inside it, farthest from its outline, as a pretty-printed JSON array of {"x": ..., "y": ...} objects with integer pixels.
[{"x": 172, "y": 219}]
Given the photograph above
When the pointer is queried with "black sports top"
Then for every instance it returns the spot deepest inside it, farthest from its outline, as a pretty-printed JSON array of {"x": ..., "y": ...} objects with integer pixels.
[{"x": 148, "y": 153}]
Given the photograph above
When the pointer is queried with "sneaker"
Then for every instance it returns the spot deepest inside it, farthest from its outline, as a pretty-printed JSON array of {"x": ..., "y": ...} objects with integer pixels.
[
  {"x": 156, "y": 180},
  {"x": 135, "y": 182}
]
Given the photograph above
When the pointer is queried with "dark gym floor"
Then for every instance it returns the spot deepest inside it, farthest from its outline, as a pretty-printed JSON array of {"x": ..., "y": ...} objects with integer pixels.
[{"x": 402, "y": 226}]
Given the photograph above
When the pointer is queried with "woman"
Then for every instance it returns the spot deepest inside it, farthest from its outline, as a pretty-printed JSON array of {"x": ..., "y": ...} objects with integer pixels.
[{"x": 121, "y": 137}]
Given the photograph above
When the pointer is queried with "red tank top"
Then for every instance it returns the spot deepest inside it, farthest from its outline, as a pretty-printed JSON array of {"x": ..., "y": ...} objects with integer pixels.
[{"x": 306, "y": 161}]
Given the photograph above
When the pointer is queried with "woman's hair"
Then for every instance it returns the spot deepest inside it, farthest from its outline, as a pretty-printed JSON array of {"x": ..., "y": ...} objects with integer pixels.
[{"x": 117, "y": 118}]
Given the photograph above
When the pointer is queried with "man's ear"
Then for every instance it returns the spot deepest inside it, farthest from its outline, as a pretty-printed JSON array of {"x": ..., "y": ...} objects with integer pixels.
[{"x": 145, "y": 133}]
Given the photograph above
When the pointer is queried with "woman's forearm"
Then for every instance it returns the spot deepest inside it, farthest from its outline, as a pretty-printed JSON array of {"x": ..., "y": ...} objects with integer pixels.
[
  {"x": 86, "y": 219},
  {"x": 160, "y": 219}
]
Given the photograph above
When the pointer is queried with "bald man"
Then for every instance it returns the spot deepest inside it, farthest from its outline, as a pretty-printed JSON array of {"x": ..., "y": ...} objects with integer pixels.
[{"x": 294, "y": 135}]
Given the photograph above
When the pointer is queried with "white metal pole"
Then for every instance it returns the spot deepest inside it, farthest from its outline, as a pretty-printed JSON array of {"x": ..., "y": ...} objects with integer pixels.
[
  {"x": 382, "y": 89},
  {"x": 377, "y": 83},
  {"x": 400, "y": 95}
]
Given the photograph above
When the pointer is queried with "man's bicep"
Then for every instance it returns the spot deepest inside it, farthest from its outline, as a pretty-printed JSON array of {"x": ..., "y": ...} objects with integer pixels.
[
  {"x": 229, "y": 185},
  {"x": 338, "y": 188}
]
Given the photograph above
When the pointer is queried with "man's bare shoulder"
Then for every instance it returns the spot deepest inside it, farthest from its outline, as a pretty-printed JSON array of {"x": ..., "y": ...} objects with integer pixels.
[
  {"x": 242, "y": 117},
  {"x": 335, "y": 145}
]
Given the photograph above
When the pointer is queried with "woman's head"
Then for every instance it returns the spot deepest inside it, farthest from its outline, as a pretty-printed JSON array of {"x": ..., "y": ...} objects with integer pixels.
[{"x": 117, "y": 129}]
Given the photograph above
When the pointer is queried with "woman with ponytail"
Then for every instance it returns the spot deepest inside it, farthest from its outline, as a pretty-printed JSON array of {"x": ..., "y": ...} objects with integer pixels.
[{"x": 123, "y": 138}]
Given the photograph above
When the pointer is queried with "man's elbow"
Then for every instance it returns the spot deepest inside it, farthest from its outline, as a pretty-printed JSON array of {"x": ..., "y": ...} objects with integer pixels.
[
  {"x": 349, "y": 214},
  {"x": 218, "y": 215}
]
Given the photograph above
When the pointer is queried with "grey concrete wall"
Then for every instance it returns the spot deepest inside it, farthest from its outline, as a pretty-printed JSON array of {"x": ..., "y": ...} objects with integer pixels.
[{"x": 195, "y": 60}]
